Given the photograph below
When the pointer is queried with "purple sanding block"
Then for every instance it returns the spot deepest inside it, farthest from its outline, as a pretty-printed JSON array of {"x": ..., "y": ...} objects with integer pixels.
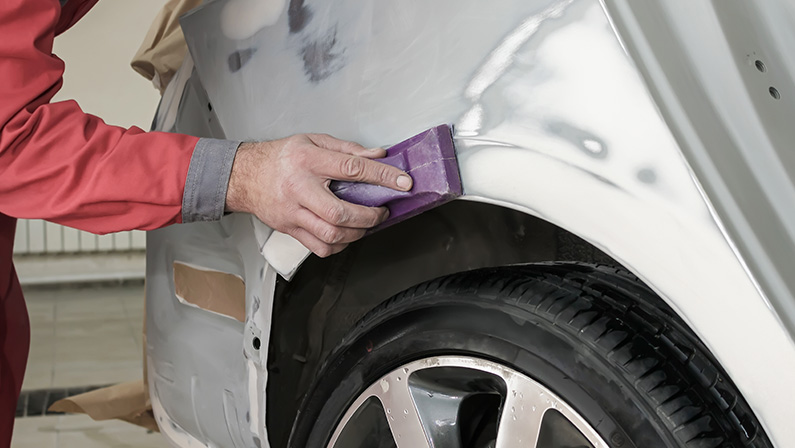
[{"x": 430, "y": 159}]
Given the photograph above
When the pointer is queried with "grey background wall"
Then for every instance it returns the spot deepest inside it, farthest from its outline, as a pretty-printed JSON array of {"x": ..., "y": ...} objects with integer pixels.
[{"x": 97, "y": 52}]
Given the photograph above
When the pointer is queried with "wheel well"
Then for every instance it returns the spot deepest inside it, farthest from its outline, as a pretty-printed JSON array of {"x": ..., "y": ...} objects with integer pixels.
[{"x": 328, "y": 296}]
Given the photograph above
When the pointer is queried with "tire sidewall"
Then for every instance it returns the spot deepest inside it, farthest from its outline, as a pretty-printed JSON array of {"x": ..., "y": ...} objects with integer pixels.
[{"x": 488, "y": 329}]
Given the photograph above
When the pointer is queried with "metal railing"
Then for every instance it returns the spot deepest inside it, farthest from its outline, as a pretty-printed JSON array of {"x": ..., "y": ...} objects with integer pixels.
[{"x": 40, "y": 237}]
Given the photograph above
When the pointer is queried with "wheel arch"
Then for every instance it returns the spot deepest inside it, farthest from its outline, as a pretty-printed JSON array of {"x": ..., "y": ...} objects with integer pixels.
[{"x": 326, "y": 298}]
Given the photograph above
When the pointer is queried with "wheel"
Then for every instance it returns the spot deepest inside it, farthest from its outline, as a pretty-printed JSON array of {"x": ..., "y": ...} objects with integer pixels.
[{"x": 550, "y": 355}]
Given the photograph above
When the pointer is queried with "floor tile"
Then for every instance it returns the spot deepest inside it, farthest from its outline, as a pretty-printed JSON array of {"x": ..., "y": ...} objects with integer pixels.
[
  {"x": 139, "y": 336},
  {"x": 38, "y": 376},
  {"x": 103, "y": 346},
  {"x": 42, "y": 348},
  {"x": 79, "y": 431},
  {"x": 84, "y": 308},
  {"x": 85, "y": 336},
  {"x": 41, "y": 311},
  {"x": 134, "y": 305},
  {"x": 107, "y": 349},
  {"x": 41, "y": 356},
  {"x": 35, "y": 432},
  {"x": 111, "y": 326},
  {"x": 84, "y": 375}
]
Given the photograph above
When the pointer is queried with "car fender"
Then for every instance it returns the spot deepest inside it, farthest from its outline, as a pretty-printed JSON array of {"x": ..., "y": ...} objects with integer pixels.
[{"x": 551, "y": 117}]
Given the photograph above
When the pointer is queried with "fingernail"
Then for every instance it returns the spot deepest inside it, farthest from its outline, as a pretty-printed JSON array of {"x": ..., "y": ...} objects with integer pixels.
[{"x": 404, "y": 182}]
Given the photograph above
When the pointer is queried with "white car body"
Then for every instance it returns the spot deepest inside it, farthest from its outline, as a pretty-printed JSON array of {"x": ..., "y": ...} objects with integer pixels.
[{"x": 569, "y": 111}]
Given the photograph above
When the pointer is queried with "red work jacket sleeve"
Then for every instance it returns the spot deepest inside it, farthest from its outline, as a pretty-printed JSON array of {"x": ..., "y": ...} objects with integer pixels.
[{"x": 63, "y": 165}]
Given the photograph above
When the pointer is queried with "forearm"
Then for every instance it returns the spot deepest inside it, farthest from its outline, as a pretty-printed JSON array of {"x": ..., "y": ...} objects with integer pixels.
[
  {"x": 68, "y": 167},
  {"x": 103, "y": 179},
  {"x": 60, "y": 164}
]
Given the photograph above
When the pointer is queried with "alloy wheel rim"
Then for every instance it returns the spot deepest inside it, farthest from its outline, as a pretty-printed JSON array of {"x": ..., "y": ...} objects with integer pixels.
[{"x": 453, "y": 401}]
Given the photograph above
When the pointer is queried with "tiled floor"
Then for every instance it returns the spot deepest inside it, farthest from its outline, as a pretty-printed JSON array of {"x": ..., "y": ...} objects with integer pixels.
[
  {"x": 83, "y": 337},
  {"x": 79, "y": 431}
]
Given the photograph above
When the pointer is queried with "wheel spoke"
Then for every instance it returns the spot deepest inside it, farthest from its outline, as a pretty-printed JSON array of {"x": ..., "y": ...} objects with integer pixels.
[
  {"x": 522, "y": 415},
  {"x": 449, "y": 401},
  {"x": 401, "y": 414}
]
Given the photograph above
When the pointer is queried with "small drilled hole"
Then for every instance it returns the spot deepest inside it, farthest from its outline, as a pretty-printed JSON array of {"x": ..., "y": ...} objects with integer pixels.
[
  {"x": 256, "y": 343},
  {"x": 760, "y": 66},
  {"x": 210, "y": 107},
  {"x": 774, "y": 93}
]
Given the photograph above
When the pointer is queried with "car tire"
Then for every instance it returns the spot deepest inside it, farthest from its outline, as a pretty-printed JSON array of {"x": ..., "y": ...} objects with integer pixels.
[{"x": 595, "y": 336}]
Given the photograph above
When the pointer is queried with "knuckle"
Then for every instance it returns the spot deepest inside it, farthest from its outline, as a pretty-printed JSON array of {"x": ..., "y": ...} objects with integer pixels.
[
  {"x": 369, "y": 217},
  {"x": 378, "y": 217},
  {"x": 384, "y": 174},
  {"x": 353, "y": 168},
  {"x": 358, "y": 235},
  {"x": 319, "y": 140},
  {"x": 352, "y": 145},
  {"x": 336, "y": 214},
  {"x": 330, "y": 235},
  {"x": 290, "y": 230},
  {"x": 324, "y": 251}
]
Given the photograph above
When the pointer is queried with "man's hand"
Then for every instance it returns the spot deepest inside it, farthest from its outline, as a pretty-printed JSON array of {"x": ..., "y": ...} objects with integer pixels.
[{"x": 285, "y": 184}]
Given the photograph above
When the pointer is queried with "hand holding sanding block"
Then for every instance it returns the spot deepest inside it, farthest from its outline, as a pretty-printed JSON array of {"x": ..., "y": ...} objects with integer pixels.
[{"x": 429, "y": 158}]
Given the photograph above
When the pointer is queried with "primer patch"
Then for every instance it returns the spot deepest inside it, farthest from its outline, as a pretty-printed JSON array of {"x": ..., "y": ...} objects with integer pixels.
[{"x": 214, "y": 291}]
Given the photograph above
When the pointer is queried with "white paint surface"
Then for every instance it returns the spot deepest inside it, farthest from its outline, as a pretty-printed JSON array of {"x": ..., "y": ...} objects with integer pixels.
[{"x": 240, "y": 19}]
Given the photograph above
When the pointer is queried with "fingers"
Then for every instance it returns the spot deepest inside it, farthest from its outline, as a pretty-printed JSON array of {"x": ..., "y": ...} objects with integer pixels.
[
  {"x": 359, "y": 169},
  {"x": 285, "y": 184},
  {"x": 314, "y": 244},
  {"x": 326, "y": 232},
  {"x": 373, "y": 153},
  {"x": 321, "y": 237},
  {"x": 337, "y": 212},
  {"x": 328, "y": 142}
]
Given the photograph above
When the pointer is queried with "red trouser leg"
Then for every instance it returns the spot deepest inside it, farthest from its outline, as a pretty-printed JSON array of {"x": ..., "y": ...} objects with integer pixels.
[{"x": 14, "y": 343}]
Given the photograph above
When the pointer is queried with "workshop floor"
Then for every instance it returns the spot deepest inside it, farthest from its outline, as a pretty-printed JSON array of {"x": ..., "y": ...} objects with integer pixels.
[{"x": 80, "y": 338}]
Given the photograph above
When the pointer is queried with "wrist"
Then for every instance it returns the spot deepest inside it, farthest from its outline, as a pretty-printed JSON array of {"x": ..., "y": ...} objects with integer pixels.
[{"x": 238, "y": 194}]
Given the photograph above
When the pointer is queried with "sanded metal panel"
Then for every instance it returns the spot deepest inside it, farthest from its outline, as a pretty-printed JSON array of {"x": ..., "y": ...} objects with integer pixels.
[{"x": 201, "y": 362}]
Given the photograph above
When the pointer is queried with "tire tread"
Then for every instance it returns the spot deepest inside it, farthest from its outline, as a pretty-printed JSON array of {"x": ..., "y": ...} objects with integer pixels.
[{"x": 612, "y": 312}]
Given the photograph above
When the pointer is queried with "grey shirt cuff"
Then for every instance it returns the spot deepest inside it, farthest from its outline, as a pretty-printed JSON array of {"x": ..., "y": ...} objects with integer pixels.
[{"x": 204, "y": 198}]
